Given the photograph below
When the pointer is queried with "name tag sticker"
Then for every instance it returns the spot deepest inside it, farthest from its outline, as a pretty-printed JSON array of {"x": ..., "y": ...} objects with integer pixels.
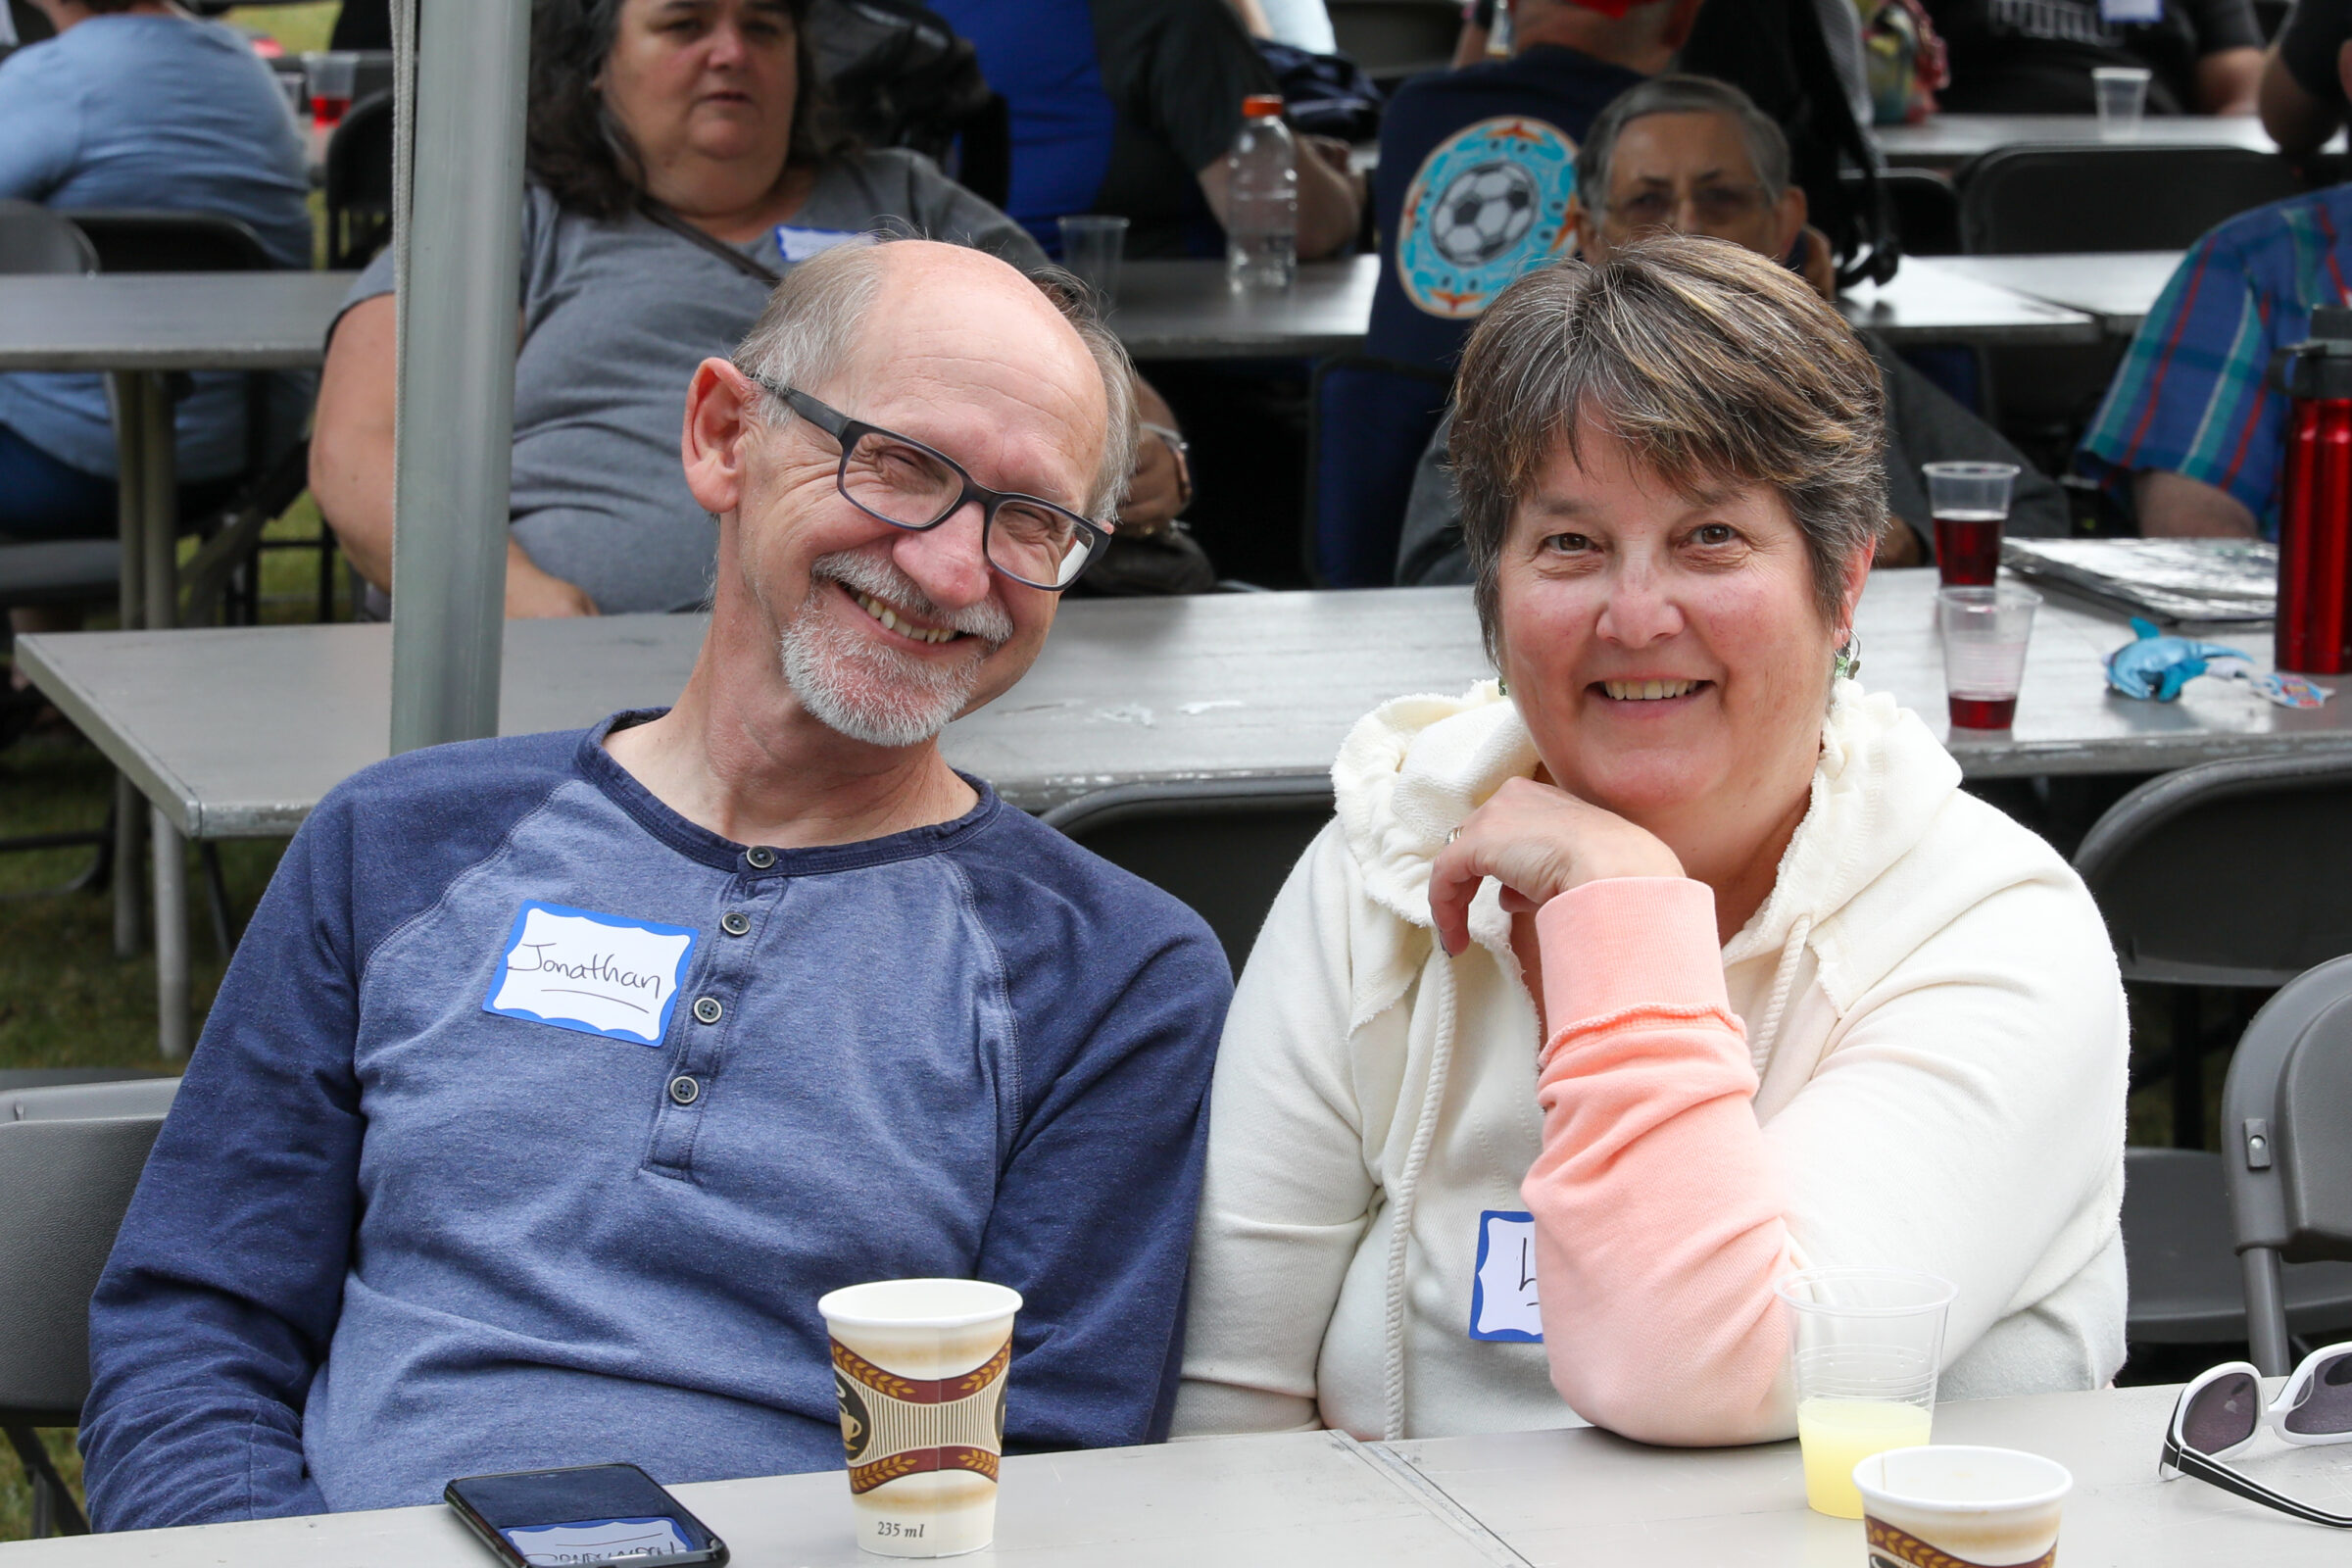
[
  {"x": 1502, "y": 1289},
  {"x": 799, "y": 244},
  {"x": 2132, "y": 11},
  {"x": 598, "y": 974},
  {"x": 596, "y": 1540}
]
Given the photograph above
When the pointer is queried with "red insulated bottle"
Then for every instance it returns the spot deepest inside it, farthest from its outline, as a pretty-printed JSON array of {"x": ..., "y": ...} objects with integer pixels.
[{"x": 2315, "y": 499}]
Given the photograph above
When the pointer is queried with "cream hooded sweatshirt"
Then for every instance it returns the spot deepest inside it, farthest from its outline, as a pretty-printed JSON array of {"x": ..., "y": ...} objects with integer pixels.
[{"x": 1924, "y": 1020}]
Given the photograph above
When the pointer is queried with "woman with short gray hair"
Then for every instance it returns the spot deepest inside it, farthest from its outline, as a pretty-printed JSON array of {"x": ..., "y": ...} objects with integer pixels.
[{"x": 1669, "y": 964}]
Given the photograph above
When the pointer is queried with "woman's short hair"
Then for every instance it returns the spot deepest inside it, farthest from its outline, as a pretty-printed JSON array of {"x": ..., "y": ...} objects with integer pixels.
[
  {"x": 576, "y": 147},
  {"x": 1710, "y": 363}
]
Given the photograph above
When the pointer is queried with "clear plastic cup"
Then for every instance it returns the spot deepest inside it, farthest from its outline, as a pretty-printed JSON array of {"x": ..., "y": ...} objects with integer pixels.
[
  {"x": 1867, "y": 1343},
  {"x": 331, "y": 76},
  {"x": 919, "y": 1367},
  {"x": 1092, "y": 247},
  {"x": 1984, "y": 633},
  {"x": 2123, "y": 94},
  {"x": 1970, "y": 501}
]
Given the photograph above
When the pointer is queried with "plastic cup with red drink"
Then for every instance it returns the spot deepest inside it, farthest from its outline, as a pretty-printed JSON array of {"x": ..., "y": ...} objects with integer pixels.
[{"x": 1970, "y": 501}]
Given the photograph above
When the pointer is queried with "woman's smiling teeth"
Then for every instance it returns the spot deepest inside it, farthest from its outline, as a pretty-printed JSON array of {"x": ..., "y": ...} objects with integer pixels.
[
  {"x": 1648, "y": 691},
  {"x": 892, "y": 620}
]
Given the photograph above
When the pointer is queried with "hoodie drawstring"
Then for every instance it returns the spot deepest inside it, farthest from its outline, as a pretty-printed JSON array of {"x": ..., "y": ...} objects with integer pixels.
[
  {"x": 1408, "y": 1189},
  {"x": 1759, "y": 1049}
]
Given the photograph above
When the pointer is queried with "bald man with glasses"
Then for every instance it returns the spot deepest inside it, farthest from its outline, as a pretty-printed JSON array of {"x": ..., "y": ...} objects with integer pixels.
[{"x": 559, "y": 1075}]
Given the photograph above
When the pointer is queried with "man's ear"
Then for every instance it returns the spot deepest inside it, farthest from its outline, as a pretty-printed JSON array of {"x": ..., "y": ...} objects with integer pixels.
[
  {"x": 723, "y": 419},
  {"x": 1582, "y": 234},
  {"x": 1789, "y": 219}
]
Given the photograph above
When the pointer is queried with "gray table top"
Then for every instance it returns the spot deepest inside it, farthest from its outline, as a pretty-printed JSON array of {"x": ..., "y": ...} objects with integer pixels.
[
  {"x": 1184, "y": 310},
  {"x": 1944, "y": 140},
  {"x": 237, "y": 733},
  {"x": 2116, "y": 287},
  {"x": 1585, "y": 1496},
  {"x": 169, "y": 320},
  {"x": 1301, "y": 1501},
  {"x": 1932, "y": 302}
]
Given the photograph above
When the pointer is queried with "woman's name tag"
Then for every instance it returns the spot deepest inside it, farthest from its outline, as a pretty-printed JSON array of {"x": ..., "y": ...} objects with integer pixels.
[
  {"x": 598, "y": 974},
  {"x": 1502, "y": 1289}
]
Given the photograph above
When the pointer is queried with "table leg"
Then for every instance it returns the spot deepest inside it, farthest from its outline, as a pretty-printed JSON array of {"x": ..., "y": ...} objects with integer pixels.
[
  {"x": 160, "y": 572},
  {"x": 129, "y": 390},
  {"x": 130, "y": 812},
  {"x": 170, "y": 936}
]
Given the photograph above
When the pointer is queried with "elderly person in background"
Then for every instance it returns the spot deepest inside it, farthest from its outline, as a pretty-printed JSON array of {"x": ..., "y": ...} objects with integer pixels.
[
  {"x": 1693, "y": 154},
  {"x": 1675, "y": 938},
  {"x": 678, "y": 162},
  {"x": 419, "y": 1212}
]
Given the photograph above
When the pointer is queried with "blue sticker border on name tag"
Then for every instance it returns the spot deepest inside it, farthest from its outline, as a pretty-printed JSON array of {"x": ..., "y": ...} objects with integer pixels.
[
  {"x": 618, "y": 922},
  {"x": 1477, "y": 1279}
]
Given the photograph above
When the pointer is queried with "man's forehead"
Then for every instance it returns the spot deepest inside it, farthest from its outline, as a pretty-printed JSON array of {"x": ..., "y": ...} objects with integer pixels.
[{"x": 1681, "y": 141}]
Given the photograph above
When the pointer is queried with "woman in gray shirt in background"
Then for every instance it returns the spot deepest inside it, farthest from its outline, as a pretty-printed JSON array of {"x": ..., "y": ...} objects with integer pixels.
[{"x": 677, "y": 156}]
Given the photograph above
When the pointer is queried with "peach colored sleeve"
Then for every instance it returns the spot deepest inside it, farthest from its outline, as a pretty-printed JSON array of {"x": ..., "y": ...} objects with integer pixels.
[{"x": 1659, "y": 1224}]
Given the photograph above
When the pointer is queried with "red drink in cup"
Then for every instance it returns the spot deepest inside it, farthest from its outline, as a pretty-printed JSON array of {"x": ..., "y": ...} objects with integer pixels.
[
  {"x": 1984, "y": 632},
  {"x": 1970, "y": 501},
  {"x": 1967, "y": 548},
  {"x": 1983, "y": 712},
  {"x": 331, "y": 78}
]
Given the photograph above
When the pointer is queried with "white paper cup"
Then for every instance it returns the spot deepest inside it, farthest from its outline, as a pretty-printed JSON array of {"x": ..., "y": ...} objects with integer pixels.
[
  {"x": 919, "y": 1367},
  {"x": 1952, "y": 1506}
]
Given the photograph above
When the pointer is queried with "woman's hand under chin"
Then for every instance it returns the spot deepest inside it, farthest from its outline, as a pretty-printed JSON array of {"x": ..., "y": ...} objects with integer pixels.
[{"x": 1538, "y": 841}]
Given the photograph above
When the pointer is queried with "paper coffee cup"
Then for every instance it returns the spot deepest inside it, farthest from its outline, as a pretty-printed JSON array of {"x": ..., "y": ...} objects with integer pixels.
[
  {"x": 919, "y": 1367},
  {"x": 1953, "y": 1506}
]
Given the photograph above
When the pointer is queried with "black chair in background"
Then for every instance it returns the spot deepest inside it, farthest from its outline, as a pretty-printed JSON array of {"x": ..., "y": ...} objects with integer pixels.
[
  {"x": 1921, "y": 207},
  {"x": 226, "y": 569},
  {"x": 70, "y": 1161},
  {"x": 1222, "y": 846},
  {"x": 359, "y": 183},
  {"x": 2235, "y": 874},
  {"x": 2031, "y": 200},
  {"x": 2287, "y": 1141},
  {"x": 2179, "y": 1249}
]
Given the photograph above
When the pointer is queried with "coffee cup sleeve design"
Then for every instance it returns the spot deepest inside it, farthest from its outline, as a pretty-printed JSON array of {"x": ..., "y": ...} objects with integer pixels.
[
  {"x": 893, "y": 1425},
  {"x": 1891, "y": 1547}
]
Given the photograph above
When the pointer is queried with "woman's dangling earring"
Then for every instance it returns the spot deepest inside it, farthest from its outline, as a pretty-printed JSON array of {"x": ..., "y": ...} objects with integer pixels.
[
  {"x": 1503, "y": 686},
  {"x": 1848, "y": 663}
]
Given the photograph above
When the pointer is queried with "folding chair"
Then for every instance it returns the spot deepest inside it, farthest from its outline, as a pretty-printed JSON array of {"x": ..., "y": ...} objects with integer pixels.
[
  {"x": 359, "y": 183},
  {"x": 1223, "y": 846},
  {"x": 2180, "y": 1251},
  {"x": 2029, "y": 201},
  {"x": 70, "y": 1161},
  {"x": 2286, "y": 1152}
]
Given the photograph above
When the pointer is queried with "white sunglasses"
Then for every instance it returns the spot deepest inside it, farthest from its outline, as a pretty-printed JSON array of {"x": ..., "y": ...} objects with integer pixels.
[{"x": 2222, "y": 1411}]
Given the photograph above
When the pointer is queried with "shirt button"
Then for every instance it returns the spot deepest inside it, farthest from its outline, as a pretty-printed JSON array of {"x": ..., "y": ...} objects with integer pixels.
[
  {"x": 761, "y": 856},
  {"x": 735, "y": 922},
  {"x": 708, "y": 1009},
  {"x": 684, "y": 1091}
]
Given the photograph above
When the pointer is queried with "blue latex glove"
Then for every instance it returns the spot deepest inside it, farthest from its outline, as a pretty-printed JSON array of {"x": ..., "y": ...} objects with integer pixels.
[{"x": 2158, "y": 665}]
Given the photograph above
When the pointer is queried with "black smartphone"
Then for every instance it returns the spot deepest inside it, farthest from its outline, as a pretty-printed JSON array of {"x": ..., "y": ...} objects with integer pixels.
[{"x": 590, "y": 1513}]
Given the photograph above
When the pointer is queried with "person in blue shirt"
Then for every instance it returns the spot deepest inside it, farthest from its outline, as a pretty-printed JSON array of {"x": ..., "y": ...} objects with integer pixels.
[
  {"x": 135, "y": 103},
  {"x": 2192, "y": 434},
  {"x": 559, "y": 1076}
]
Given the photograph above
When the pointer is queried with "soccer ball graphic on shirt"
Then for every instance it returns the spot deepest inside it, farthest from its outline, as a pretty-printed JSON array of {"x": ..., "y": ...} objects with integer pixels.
[{"x": 1483, "y": 211}]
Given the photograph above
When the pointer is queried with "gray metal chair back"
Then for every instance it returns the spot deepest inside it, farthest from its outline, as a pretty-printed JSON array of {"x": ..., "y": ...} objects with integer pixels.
[
  {"x": 1222, "y": 846},
  {"x": 2286, "y": 1145},
  {"x": 2230, "y": 873},
  {"x": 2180, "y": 1252},
  {"x": 34, "y": 239},
  {"x": 148, "y": 240},
  {"x": 69, "y": 1159}
]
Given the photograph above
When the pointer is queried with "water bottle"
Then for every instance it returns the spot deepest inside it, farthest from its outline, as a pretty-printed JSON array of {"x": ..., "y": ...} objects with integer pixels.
[
  {"x": 1261, "y": 229},
  {"x": 2314, "y": 503}
]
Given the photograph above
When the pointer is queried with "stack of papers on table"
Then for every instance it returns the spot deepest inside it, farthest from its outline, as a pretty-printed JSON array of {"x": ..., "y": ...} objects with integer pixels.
[{"x": 2165, "y": 579}]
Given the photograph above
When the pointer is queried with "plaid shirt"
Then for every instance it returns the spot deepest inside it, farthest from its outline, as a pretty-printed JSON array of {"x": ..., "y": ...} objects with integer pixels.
[{"x": 2192, "y": 396}]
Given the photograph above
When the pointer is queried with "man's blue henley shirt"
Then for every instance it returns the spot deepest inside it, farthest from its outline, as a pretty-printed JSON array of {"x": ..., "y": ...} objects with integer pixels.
[{"x": 389, "y": 1236}]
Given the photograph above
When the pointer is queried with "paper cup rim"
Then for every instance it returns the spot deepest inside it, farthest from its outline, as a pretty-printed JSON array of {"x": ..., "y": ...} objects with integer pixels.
[
  {"x": 1872, "y": 1492},
  {"x": 844, "y": 1306}
]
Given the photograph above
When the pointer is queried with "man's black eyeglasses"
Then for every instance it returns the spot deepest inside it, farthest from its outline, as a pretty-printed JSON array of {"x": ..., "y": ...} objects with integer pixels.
[
  {"x": 913, "y": 486},
  {"x": 2220, "y": 1413}
]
